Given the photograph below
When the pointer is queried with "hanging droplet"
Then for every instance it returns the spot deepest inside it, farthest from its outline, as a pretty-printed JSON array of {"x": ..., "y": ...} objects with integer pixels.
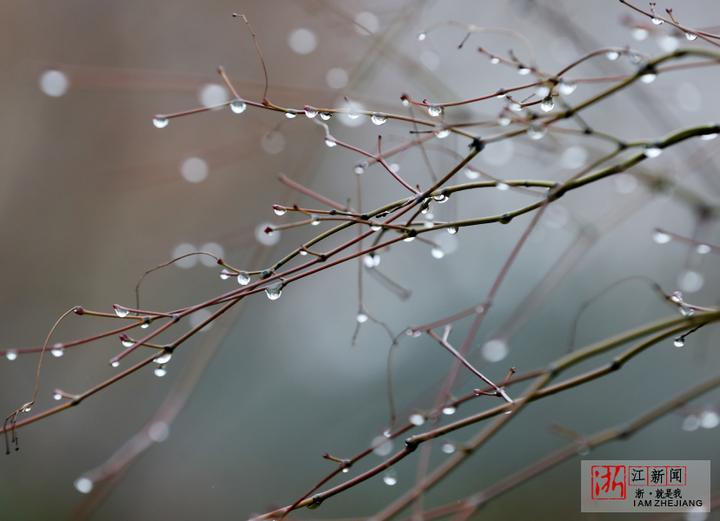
[
  {"x": 381, "y": 446},
  {"x": 11, "y": 354},
  {"x": 612, "y": 55},
  {"x": 435, "y": 111},
  {"x": 536, "y": 132},
  {"x": 661, "y": 237},
  {"x": 679, "y": 342},
  {"x": 290, "y": 115},
  {"x": 390, "y": 478},
  {"x": 543, "y": 91},
  {"x": 310, "y": 112},
  {"x": 243, "y": 278},
  {"x": 502, "y": 186},
  {"x": 709, "y": 419},
  {"x": 471, "y": 173},
  {"x": 690, "y": 36},
  {"x": 57, "y": 350},
  {"x": 330, "y": 142},
  {"x": 504, "y": 121},
  {"x": 417, "y": 419},
  {"x": 648, "y": 77},
  {"x": 376, "y": 227},
  {"x": 515, "y": 106},
  {"x": 547, "y": 104},
  {"x": 145, "y": 324},
  {"x": 652, "y": 151},
  {"x": 359, "y": 169},
  {"x": 126, "y": 341},
  {"x": 238, "y": 106},
  {"x": 115, "y": 363},
  {"x": 421, "y": 36},
  {"x": 437, "y": 253},
  {"x": 57, "y": 396},
  {"x": 351, "y": 114},
  {"x": 708, "y": 137},
  {"x": 163, "y": 358},
  {"x": 83, "y": 485},
  {"x": 361, "y": 318},
  {"x": 639, "y": 33},
  {"x": 225, "y": 274},
  {"x": 656, "y": 21},
  {"x": 378, "y": 119},
  {"x": 160, "y": 121},
  {"x": 703, "y": 249},
  {"x": 274, "y": 291},
  {"x": 160, "y": 371},
  {"x": 567, "y": 87},
  {"x": 279, "y": 210},
  {"x": 371, "y": 260},
  {"x": 409, "y": 238},
  {"x": 523, "y": 71},
  {"x": 442, "y": 133},
  {"x": 325, "y": 116},
  {"x": 120, "y": 311},
  {"x": 494, "y": 60},
  {"x": 440, "y": 198},
  {"x": 448, "y": 410},
  {"x": 583, "y": 449},
  {"x": 690, "y": 423},
  {"x": 448, "y": 448},
  {"x": 452, "y": 230},
  {"x": 314, "y": 221},
  {"x": 345, "y": 470}
]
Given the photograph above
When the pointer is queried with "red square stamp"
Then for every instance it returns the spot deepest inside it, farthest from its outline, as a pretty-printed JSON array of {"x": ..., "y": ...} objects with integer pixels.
[{"x": 608, "y": 482}]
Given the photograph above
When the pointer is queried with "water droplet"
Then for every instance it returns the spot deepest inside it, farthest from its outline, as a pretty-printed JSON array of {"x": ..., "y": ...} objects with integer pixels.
[
  {"x": 690, "y": 423},
  {"x": 504, "y": 121},
  {"x": 243, "y": 278},
  {"x": 514, "y": 106},
  {"x": 163, "y": 358},
  {"x": 352, "y": 114},
  {"x": 115, "y": 363},
  {"x": 58, "y": 350},
  {"x": 679, "y": 342},
  {"x": 690, "y": 281},
  {"x": 302, "y": 41},
  {"x": 452, "y": 230},
  {"x": 160, "y": 371},
  {"x": 421, "y": 36},
  {"x": 57, "y": 396},
  {"x": 661, "y": 237},
  {"x": 648, "y": 77},
  {"x": 83, "y": 485},
  {"x": 361, "y": 318},
  {"x": 279, "y": 210},
  {"x": 145, "y": 324},
  {"x": 413, "y": 333},
  {"x": 121, "y": 311},
  {"x": 160, "y": 121},
  {"x": 690, "y": 36},
  {"x": 583, "y": 449},
  {"x": 378, "y": 119},
  {"x": 11, "y": 354},
  {"x": 502, "y": 186},
  {"x": 314, "y": 221},
  {"x": 225, "y": 274},
  {"x": 440, "y": 198},
  {"x": 325, "y": 116},
  {"x": 708, "y": 137},
  {"x": 381, "y": 446},
  {"x": 390, "y": 478},
  {"x": 709, "y": 419},
  {"x": 495, "y": 350},
  {"x": 639, "y": 33},
  {"x": 290, "y": 115},
  {"x": 447, "y": 448},
  {"x": 126, "y": 341},
  {"x": 359, "y": 169},
  {"x": 159, "y": 431},
  {"x": 437, "y": 253},
  {"x": 442, "y": 133},
  {"x": 330, "y": 142},
  {"x": 656, "y": 21},
  {"x": 274, "y": 291},
  {"x": 536, "y": 132},
  {"x": 523, "y": 71},
  {"x": 543, "y": 91},
  {"x": 310, "y": 112},
  {"x": 238, "y": 106},
  {"x": 612, "y": 55},
  {"x": 448, "y": 410},
  {"x": 409, "y": 238},
  {"x": 652, "y": 151},
  {"x": 494, "y": 60},
  {"x": 547, "y": 104},
  {"x": 703, "y": 249},
  {"x": 417, "y": 419},
  {"x": 435, "y": 111},
  {"x": 54, "y": 83},
  {"x": 273, "y": 142},
  {"x": 371, "y": 260},
  {"x": 567, "y": 87},
  {"x": 471, "y": 173}
]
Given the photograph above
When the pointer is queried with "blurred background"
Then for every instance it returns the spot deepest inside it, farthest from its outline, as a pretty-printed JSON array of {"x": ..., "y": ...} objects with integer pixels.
[{"x": 91, "y": 195}]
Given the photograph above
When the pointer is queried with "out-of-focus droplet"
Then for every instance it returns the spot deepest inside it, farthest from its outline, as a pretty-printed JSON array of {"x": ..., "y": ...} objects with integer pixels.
[
  {"x": 417, "y": 419},
  {"x": 661, "y": 237},
  {"x": 83, "y": 485},
  {"x": 495, "y": 350}
]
